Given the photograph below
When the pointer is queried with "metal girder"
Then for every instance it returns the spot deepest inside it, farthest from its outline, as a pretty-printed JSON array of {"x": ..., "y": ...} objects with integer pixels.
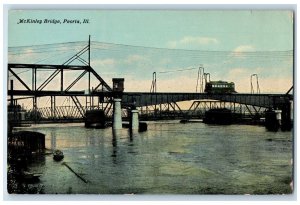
[
  {"x": 97, "y": 87},
  {"x": 48, "y": 66},
  {"x": 58, "y": 69},
  {"x": 100, "y": 79},
  {"x": 76, "y": 80},
  {"x": 249, "y": 110},
  {"x": 78, "y": 54},
  {"x": 23, "y": 98},
  {"x": 21, "y": 81},
  {"x": 82, "y": 60},
  {"x": 57, "y": 93},
  {"x": 78, "y": 105},
  {"x": 48, "y": 80},
  {"x": 259, "y": 100},
  {"x": 290, "y": 90},
  {"x": 107, "y": 108}
]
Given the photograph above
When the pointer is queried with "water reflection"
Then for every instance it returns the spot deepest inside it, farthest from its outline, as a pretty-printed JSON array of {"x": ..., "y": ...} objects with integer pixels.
[
  {"x": 116, "y": 134},
  {"x": 90, "y": 139},
  {"x": 53, "y": 139},
  {"x": 132, "y": 135}
]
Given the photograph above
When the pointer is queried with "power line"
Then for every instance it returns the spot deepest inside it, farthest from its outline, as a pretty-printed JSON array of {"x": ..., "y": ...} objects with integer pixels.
[
  {"x": 172, "y": 71},
  {"x": 177, "y": 55},
  {"x": 42, "y": 51},
  {"x": 47, "y": 45},
  {"x": 144, "y": 47},
  {"x": 174, "y": 49}
]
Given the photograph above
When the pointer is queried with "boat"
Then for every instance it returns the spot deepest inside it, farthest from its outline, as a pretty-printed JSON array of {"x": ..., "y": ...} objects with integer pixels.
[
  {"x": 58, "y": 155},
  {"x": 31, "y": 177}
]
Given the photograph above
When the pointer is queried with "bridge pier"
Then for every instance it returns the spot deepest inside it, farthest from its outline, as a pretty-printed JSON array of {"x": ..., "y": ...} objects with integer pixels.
[
  {"x": 286, "y": 121},
  {"x": 134, "y": 121},
  {"x": 280, "y": 118},
  {"x": 117, "y": 117},
  {"x": 272, "y": 121}
]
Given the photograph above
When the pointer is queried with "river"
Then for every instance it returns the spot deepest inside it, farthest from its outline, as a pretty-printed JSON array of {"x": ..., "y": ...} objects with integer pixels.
[{"x": 169, "y": 158}]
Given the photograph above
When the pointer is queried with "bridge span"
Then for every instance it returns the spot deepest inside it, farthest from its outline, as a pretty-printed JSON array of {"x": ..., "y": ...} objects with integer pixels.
[{"x": 141, "y": 99}]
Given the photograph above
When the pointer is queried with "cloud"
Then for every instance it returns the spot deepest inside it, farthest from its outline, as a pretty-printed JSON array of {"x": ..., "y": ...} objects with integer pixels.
[
  {"x": 275, "y": 85},
  {"x": 243, "y": 48},
  {"x": 108, "y": 62},
  {"x": 244, "y": 72},
  {"x": 26, "y": 55},
  {"x": 192, "y": 40},
  {"x": 240, "y": 51},
  {"x": 131, "y": 59},
  {"x": 169, "y": 84},
  {"x": 267, "y": 83}
]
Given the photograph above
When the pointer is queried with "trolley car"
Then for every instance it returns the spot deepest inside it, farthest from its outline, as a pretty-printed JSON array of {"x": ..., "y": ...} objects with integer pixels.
[{"x": 219, "y": 87}]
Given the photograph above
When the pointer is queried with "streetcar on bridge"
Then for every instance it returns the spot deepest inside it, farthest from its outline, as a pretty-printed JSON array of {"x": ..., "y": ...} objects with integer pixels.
[{"x": 219, "y": 87}]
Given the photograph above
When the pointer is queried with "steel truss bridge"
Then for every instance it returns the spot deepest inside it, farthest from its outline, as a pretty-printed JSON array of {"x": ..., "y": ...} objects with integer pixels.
[{"x": 152, "y": 105}]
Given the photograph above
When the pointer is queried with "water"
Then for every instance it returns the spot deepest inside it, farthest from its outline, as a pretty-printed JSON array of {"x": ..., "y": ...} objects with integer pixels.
[{"x": 170, "y": 158}]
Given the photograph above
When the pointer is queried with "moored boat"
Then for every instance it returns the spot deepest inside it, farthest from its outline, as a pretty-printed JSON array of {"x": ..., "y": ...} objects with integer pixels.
[
  {"x": 31, "y": 177},
  {"x": 58, "y": 155}
]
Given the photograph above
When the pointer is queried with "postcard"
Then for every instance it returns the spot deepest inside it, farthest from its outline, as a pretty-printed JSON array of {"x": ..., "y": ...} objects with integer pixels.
[{"x": 144, "y": 102}]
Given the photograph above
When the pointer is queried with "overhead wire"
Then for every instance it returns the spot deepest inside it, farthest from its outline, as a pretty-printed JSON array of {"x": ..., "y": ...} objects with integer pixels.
[
  {"x": 179, "y": 70},
  {"x": 121, "y": 48},
  {"x": 180, "y": 55}
]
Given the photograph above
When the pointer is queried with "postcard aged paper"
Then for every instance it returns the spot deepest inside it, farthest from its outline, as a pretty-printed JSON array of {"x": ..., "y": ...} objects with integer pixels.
[{"x": 150, "y": 102}]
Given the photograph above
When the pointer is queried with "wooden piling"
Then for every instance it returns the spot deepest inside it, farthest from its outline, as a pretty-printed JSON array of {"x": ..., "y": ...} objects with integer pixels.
[{"x": 80, "y": 177}]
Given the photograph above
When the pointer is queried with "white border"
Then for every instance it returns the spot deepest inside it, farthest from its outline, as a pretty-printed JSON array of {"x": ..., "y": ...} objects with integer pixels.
[{"x": 155, "y": 4}]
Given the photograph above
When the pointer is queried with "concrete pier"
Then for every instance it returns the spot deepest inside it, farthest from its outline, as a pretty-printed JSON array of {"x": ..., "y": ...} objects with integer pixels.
[
  {"x": 134, "y": 120},
  {"x": 117, "y": 123},
  {"x": 286, "y": 116},
  {"x": 272, "y": 120},
  {"x": 278, "y": 116}
]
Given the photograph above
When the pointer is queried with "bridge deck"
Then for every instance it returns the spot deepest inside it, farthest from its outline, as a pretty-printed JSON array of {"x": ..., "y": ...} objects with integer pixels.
[
  {"x": 261, "y": 100},
  {"x": 147, "y": 99}
]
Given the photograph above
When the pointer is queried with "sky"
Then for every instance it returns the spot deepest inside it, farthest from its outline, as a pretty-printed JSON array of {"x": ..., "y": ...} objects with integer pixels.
[{"x": 231, "y": 45}]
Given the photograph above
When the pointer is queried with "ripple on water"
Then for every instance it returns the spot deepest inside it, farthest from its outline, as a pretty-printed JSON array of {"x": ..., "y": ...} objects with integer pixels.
[{"x": 169, "y": 158}]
